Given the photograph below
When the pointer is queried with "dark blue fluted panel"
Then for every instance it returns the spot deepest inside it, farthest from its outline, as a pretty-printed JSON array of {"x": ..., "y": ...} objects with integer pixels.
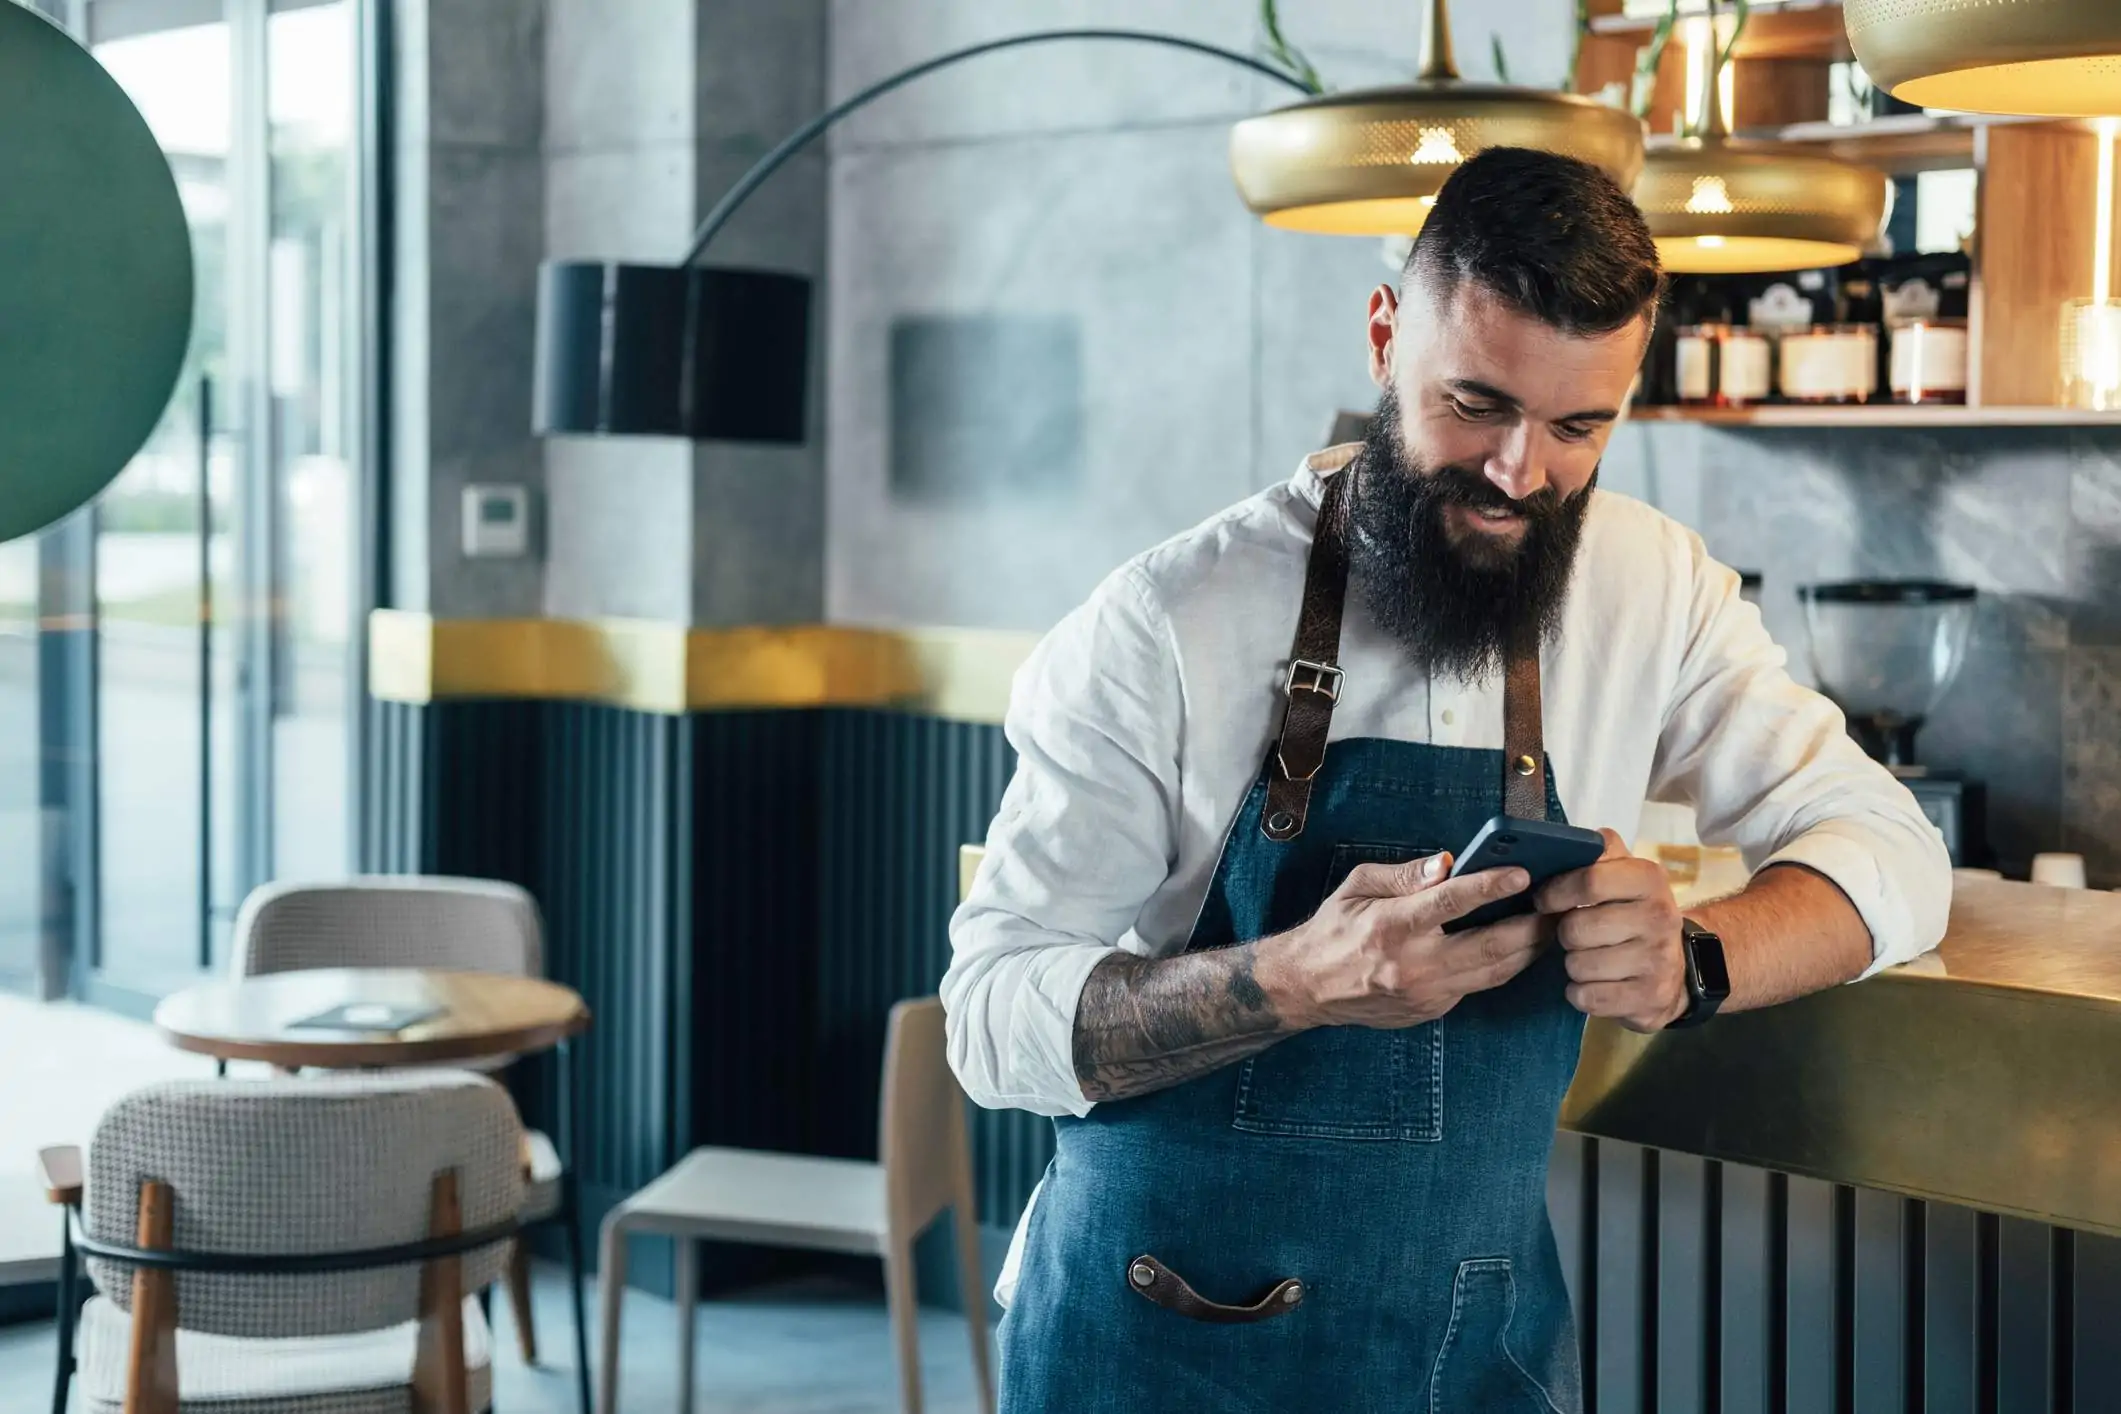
[
  {"x": 899, "y": 794},
  {"x": 751, "y": 973},
  {"x": 610, "y": 802},
  {"x": 398, "y": 790}
]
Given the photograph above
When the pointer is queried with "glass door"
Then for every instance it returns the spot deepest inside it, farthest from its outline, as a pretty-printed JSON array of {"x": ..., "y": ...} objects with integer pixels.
[{"x": 222, "y": 556}]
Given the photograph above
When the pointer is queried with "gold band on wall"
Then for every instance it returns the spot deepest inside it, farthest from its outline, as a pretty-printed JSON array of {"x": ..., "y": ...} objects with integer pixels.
[{"x": 958, "y": 674}]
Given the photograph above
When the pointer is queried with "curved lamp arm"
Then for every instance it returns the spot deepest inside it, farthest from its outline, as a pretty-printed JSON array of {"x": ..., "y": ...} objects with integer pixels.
[{"x": 766, "y": 166}]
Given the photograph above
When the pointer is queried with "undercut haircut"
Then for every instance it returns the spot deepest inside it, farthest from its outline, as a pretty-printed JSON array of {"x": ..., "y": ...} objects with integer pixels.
[{"x": 1550, "y": 236}]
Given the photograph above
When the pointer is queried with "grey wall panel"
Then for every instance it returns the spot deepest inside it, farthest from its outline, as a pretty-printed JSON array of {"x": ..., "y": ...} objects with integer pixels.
[
  {"x": 1810, "y": 1317},
  {"x": 1951, "y": 1337},
  {"x": 1685, "y": 1269},
  {"x": 1627, "y": 1295},
  {"x": 2025, "y": 1330},
  {"x": 1748, "y": 1294},
  {"x": 1887, "y": 1289}
]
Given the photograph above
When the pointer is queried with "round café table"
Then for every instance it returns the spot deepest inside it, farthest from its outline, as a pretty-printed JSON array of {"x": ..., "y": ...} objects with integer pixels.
[{"x": 478, "y": 1016}]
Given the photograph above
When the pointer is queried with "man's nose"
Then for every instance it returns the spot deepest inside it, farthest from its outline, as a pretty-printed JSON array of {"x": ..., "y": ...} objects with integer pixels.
[{"x": 1513, "y": 468}]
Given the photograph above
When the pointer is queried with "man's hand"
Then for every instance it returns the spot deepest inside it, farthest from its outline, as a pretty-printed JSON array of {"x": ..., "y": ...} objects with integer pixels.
[
  {"x": 1619, "y": 924},
  {"x": 1375, "y": 953}
]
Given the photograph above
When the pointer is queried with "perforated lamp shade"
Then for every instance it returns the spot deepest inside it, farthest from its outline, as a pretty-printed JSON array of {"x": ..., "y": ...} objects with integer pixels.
[
  {"x": 1718, "y": 206},
  {"x": 1370, "y": 162},
  {"x": 2052, "y": 58},
  {"x": 95, "y": 276}
]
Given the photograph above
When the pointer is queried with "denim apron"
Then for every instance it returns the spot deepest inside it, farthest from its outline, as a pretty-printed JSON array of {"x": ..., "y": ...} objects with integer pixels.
[{"x": 1353, "y": 1219}]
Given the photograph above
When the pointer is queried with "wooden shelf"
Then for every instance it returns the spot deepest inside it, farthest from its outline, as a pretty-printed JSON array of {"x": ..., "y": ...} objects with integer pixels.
[
  {"x": 1878, "y": 415},
  {"x": 1791, "y": 29},
  {"x": 1901, "y": 145}
]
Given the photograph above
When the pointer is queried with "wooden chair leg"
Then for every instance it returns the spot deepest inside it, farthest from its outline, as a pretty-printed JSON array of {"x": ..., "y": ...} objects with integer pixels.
[
  {"x": 685, "y": 1252},
  {"x": 903, "y": 1299},
  {"x": 440, "y": 1381},
  {"x": 611, "y": 1291},
  {"x": 972, "y": 1290},
  {"x": 519, "y": 1300},
  {"x": 151, "y": 1366}
]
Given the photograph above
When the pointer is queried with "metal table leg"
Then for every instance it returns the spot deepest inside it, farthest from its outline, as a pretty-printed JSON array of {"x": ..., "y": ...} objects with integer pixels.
[{"x": 571, "y": 1212}]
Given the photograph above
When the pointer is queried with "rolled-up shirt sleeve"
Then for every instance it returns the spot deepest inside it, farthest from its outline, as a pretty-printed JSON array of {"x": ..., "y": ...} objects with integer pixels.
[
  {"x": 1769, "y": 766},
  {"x": 1084, "y": 837}
]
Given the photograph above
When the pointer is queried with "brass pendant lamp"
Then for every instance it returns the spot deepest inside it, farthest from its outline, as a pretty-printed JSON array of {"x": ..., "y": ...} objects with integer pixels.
[
  {"x": 2047, "y": 58},
  {"x": 1369, "y": 162},
  {"x": 1720, "y": 206}
]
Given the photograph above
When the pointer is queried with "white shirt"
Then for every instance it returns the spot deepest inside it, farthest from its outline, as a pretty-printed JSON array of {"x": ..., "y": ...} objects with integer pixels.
[{"x": 1141, "y": 721}]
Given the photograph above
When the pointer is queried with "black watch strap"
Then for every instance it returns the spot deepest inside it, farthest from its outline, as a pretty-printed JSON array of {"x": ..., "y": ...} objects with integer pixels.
[{"x": 1708, "y": 979}]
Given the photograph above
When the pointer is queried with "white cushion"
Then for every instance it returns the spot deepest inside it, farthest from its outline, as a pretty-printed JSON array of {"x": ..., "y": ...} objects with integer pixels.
[
  {"x": 791, "y": 1200},
  {"x": 345, "y": 1374},
  {"x": 541, "y": 1195}
]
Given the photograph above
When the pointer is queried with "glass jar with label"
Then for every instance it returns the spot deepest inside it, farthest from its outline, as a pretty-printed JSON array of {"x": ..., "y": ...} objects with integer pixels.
[
  {"x": 1929, "y": 361},
  {"x": 1830, "y": 363},
  {"x": 1719, "y": 365}
]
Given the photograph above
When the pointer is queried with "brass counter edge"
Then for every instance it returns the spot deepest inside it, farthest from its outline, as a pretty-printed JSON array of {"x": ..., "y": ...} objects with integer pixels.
[{"x": 953, "y": 673}]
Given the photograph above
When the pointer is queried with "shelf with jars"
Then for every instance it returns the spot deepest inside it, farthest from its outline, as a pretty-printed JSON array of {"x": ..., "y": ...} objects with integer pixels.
[{"x": 1988, "y": 301}]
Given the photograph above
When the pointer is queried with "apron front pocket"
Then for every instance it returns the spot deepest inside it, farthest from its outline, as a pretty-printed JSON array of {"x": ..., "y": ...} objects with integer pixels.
[
  {"x": 1348, "y": 1082},
  {"x": 1475, "y": 1368}
]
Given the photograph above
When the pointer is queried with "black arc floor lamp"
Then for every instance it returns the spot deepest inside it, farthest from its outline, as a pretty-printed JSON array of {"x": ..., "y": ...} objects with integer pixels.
[{"x": 697, "y": 351}]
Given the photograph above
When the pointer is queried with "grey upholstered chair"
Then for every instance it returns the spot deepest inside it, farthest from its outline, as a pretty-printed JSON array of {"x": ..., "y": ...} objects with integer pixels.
[
  {"x": 416, "y": 920},
  {"x": 325, "y": 1182}
]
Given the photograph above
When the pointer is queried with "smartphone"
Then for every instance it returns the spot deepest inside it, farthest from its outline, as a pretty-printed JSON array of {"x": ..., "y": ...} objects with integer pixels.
[{"x": 1539, "y": 847}]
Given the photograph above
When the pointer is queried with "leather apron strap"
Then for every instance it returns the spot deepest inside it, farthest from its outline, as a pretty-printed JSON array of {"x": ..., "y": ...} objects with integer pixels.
[
  {"x": 1524, "y": 756},
  {"x": 1313, "y": 682},
  {"x": 1312, "y": 688}
]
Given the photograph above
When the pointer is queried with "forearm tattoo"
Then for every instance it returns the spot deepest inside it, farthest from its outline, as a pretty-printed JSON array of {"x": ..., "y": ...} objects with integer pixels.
[{"x": 1144, "y": 1024}]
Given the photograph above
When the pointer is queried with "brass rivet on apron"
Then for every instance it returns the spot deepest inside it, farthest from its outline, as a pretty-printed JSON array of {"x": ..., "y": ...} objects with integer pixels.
[
  {"x": 1281, "y": 822},
  {"x": 1294, "y": 1294},
  {"x": 1141, "y": 1274},
  {"x": 1526, "y": 765}
]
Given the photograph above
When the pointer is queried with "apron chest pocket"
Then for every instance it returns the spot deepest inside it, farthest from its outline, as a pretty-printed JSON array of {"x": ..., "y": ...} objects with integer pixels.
[{"x": 1348, "y": 1082}]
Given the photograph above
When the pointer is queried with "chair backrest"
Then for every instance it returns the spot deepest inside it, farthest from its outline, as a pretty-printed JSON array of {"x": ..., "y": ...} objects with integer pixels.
[
  {"x": 921, "y": 1135},
  {"x": 390, "y": 920},
  {"x": 297, "y": 1166}
]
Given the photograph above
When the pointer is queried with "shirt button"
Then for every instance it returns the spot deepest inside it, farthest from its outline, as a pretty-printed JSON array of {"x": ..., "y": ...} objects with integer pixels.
[{"x": 1449, "y": 716}]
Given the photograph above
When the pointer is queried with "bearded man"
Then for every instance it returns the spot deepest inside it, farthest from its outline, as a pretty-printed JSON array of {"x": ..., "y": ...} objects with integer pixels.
[{"x": 1302, "y": 1129}]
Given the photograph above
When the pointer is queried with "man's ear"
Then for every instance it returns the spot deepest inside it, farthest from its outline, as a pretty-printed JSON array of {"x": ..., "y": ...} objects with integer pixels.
[{"x": 1384, "y": 327}]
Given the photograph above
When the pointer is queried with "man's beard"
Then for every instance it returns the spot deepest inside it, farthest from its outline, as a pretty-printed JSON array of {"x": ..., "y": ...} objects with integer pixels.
[{"x": 1455, "y": 605}]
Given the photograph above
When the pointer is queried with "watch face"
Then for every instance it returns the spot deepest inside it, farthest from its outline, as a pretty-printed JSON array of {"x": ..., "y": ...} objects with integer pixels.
[{"x": 1709, "y": 966}]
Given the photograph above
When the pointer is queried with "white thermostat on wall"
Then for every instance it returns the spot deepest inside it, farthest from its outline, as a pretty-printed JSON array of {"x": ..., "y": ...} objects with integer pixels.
[{"x": 496, "y": 521}]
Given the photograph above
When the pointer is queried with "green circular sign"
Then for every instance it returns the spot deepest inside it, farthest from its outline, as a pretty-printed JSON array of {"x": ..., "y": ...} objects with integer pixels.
[{"x": 95, "y": 275}]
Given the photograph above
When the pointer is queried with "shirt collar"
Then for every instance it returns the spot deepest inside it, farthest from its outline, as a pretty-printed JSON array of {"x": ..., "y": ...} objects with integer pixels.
[{"x": 1310, "y": 480}]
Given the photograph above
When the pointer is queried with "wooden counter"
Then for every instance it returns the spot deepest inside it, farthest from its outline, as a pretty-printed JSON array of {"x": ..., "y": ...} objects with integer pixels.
[{"x": 1988, "y": 1074}]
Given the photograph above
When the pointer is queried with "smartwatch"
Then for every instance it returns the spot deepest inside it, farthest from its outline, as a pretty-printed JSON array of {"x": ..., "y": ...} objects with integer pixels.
[{"x": 1708, "y": 980}]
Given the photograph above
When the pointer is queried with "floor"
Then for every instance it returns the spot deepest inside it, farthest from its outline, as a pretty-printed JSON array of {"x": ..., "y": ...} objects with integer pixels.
[
  {"x": 812, "y": 1349},
  {"x": 61, "y": 1066},
  {"x": 815, "y": 1349}
]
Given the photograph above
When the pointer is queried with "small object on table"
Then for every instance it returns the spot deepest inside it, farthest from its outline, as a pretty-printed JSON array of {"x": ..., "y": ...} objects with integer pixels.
[
  {"x": 383, "y": 1018},
  {"x": 2061, "y": 871}
]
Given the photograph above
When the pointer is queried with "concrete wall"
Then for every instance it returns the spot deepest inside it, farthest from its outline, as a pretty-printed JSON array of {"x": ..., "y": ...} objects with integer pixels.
[
  {"x": 470, "y": 178},
  {"x": 653, "y": 108},
  {"x": 1057, "y": 336}
]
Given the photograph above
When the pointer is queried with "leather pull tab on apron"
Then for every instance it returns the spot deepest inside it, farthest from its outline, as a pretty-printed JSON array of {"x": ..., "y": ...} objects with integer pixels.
[
  {"x": 1312, "y": 686},
  {"x": 1524, "y": 757},
  {"x": 1158, "y": 1284}
]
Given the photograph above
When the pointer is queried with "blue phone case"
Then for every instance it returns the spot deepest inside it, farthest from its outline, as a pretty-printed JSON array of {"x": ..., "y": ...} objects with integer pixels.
[{"x": 1539, "y": 847}]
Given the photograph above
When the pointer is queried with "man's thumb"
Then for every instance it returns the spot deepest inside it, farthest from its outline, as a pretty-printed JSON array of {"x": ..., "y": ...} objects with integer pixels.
[{"x": 1417, "y": 875}]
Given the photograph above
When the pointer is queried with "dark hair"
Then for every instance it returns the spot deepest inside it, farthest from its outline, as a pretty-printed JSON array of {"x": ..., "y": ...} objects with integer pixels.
[{"x": 1555, "y": 237}]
